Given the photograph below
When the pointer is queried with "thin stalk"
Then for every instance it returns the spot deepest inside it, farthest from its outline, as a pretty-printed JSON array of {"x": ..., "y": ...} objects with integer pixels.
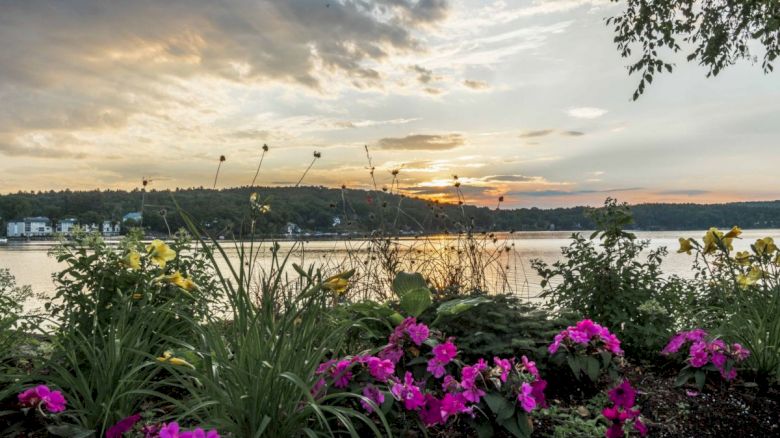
[
  {"x": 217, "y": 174},
  {"x": 258, "y": 169}
]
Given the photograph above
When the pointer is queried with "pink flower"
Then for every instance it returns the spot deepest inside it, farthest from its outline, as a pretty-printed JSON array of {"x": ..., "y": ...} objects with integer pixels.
[
  {"x": 341, "y": 374},
  {"x": 468, "y": 379},
  {"x": 579, "y": 336},
  {"x": 729, "y": 375},
  {"x": 525, "y": 397},
  {"x": 445, "y": 352},
  {"x": 408, "y": 392},
  {"x": 538, "y": 392},
  {"x": 674, "y": 344},
  {"x": 530, "y": 366},
  {"x": 615, "y": 431},
  {"x": 695, "y": 335},
  {"x": 589, "y": 327},
  {"x": 122, "y": 426},
  {"x": 315, "y": 390},
  {"x": 418, "y": 333},
  {"x": 553, "y": 348},
  {"x": 325, "y": 366},
  {"x": 375, "y": 395},
  {"x": 640, "y": 427},
  {"x": 170, "y": 430},
  {"x": 719, "y": 359},
  {"x": 436, "y": 368},
  {"x": 505, "y": 365},
  {"x": 623, "y": 395},
  {"x": 450, "y": 384},
  {"x": 380, "y": 369},
  {"x": 200, "y": 433},
  {"x": 740, "y": 353},
  {"x": 699, "y": 355},
  {"x": 431, "y": 413},
  {"x": 453, "y": 404},
  {"x": 392, "y": 352},
  {"x": 54, "y": 401}
]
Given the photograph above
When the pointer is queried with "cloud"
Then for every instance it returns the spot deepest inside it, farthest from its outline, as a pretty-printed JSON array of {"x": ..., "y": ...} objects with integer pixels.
[
  {"x": 553, "y": 193},
  {"x": 537, "y": 133},
  {"x": 586, "y": 112},
  {"x": 692, "y": 192},
  {"x": 424, "y": 76},
  {"x": 573, "y": 133},
  {"x": 476, "y": 85},
  {"x": 511, "y": 178},
  {"x": 432, "y": 142}
]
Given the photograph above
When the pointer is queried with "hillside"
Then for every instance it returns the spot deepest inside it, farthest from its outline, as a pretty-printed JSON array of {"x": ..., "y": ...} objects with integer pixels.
[{"x": 317, "y": 209}]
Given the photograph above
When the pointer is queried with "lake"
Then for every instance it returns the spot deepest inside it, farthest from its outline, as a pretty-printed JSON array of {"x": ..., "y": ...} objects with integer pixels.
[{"x": 32, "y": 266}]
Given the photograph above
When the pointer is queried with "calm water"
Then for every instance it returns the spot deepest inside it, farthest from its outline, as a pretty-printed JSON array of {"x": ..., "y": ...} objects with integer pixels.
[{"x": 31, "y": 265}]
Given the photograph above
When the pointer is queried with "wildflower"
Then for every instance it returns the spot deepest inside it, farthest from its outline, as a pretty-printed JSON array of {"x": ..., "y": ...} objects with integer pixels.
[
  {"x": 53, "y": 401},
  {"x": 341, "y": 374},
  {"x": 442, "y": 355},
  {"x": 525, "y": 397},
  {"x": 674, "y": 344},
  {"x": 685, "y": 246},
  {"x": 418, "y": 333},
  {"x": 764, "y": 246},
  {"x": 734, "y": 232},
  {"x": 169, "y": 358},
  {"x": 431, "y": 412},
  {"x": 530, "y": 366},
  {"x": 132, "y": 260},
  {"x": 623, "y": 395},
  {"x": 505, "y": 365},
  {"x": 122, "y": 426},
  {"x": 468, "y": 381},
  {"x": 375, "y": 395},
  {"x": 539, "y": 386},
  {"x": 754, "y": 275},
  {"x": 380, "y": 369},
  {"x": 713, "y": 236},
  {"x": 256, "y": 203},
  {"x": 453, "y": 404},
  {"x": 742, "y": 257},
  {"x": 160, "y": 253},
  {"x": 178, "y": 280},
  {"x": 408, "y": 392},
  {"x": 741, "y": 353},
  {"x": 699, "y": 355},
  {"x": 338, "y": 283}
]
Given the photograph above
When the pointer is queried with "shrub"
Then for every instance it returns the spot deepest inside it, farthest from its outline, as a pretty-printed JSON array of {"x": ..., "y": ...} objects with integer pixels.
[{"x": 604, "y": 279}]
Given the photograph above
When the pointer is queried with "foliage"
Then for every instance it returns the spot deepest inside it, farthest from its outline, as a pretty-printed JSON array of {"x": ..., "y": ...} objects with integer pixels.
[
  {"x": 704, "y": 356},
  {"x": 12, "y": 299},
  {"x": 496, "y": 325},
  {"x": 588, "y": 349},
  {"x": 99, "y": 279},
  {"x": 604, "y": 279},
  {"x": 717, "y": 32},
  {"x": 567, "y": 422},
  {"x": 738, "y": 294}
]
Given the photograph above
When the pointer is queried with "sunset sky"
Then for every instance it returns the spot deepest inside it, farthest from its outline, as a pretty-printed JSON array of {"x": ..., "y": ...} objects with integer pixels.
[{"x": 526, "y": 99}]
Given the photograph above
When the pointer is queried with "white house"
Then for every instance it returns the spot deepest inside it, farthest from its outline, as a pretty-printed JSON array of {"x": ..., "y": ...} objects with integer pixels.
[
  {"x": 292, "y": 229},
  {"x": 336, "y": 221},
  {"x": 66, "y": 226},
  {"x": 30, "y": 227},
  {"x": 135, "y": 216},
  {"x": 110, "y": 228}
]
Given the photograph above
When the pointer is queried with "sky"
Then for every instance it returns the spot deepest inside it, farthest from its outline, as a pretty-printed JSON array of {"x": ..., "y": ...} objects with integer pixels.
[{"x": 529, "y": 100}]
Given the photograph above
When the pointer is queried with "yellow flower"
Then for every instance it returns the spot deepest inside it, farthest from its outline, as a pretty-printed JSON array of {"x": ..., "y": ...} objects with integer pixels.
[
  {"x": 168, "y": 357},
  {"x": 339, "y": 282},
  {"x": 133, "y": 260},
  {"x": 138, "y": 296},
  {"x": 743, "y": 258},
  {"x": 711, "y": 239},
  {"x": 685, "y": 246},
  {"x": 765, "y": 246},
  {"x": 178, "y": 280},
  {"x": 160, "y": 253},
  {"x": 753, "y": 276},
  {"x": 735, "y": 232}
]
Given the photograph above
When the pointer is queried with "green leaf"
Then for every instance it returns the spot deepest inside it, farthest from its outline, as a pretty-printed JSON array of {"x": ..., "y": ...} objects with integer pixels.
[
  {"x": 454, "y": 307},
  {"x": 592, "y": 368},
  {"x": 405, "y": 282},
  {"x": 682, "y": 378},
  {"x": 415, "y": 302},
  {"x": 574, "y": 364},
  {"x": 699, "y": 376},
  {"x": 495, "y": 402}
]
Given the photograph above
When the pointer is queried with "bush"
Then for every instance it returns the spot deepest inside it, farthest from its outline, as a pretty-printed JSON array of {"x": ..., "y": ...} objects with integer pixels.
[{"x": 604, "y": 279}]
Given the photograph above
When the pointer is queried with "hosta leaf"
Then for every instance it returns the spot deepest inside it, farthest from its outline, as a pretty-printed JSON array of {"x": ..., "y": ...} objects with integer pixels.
[{"x": 415, "y": 302}]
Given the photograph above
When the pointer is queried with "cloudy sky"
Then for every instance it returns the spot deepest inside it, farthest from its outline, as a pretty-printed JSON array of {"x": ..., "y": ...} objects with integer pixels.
[{"x": 526, "y": 99}]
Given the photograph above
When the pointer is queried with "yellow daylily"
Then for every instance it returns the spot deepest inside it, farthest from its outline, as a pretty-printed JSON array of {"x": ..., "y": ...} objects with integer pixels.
[
  {"x": 751, "y": 278},
  {"x": 179, "y": 280},
  {"x": 160, "y": 253},
  {"x": 685, "y": 246},
  {"x": 339, "y": 282},
  {"x": 137, "y": 296},
  {"x": 169, "y": 358},
  {"x": 133, "y": 260},
  {"x": 735, "y": 232},
  {"x": 765, "y": 246},
  {"x": 711, "y": 239},
  {"x": 743, "y": 258}
]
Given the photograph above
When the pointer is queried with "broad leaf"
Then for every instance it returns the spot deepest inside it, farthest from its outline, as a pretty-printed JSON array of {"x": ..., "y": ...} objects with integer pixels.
[
  {"x": 405, "y": 282},
  {"x": 415, "y": 302}
]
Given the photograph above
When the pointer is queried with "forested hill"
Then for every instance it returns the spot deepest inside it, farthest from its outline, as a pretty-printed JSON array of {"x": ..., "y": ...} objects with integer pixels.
[{"x": 319, "y": 209}]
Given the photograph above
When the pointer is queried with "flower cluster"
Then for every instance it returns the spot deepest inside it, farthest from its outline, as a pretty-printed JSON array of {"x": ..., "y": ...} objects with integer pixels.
[
  {"x": 172, "y": 430},
  {"x": 622, "y": 411},
  {"x": 702, "y": 351},
  {"x": 441, "y": 395},
  {"x": 587, "y": 333},
  {"x": 41, "y": 395}
]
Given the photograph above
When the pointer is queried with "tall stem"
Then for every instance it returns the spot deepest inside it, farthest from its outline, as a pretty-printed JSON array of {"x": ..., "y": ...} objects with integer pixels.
[
  {"x": 258, "y": 169},
  {"x": 217, "y": 175},
  {"x": 305, "y": 172}
]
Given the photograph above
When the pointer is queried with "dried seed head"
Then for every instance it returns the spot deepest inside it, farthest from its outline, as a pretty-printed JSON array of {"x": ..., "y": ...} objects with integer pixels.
[{"x": 222, "y": 158}]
